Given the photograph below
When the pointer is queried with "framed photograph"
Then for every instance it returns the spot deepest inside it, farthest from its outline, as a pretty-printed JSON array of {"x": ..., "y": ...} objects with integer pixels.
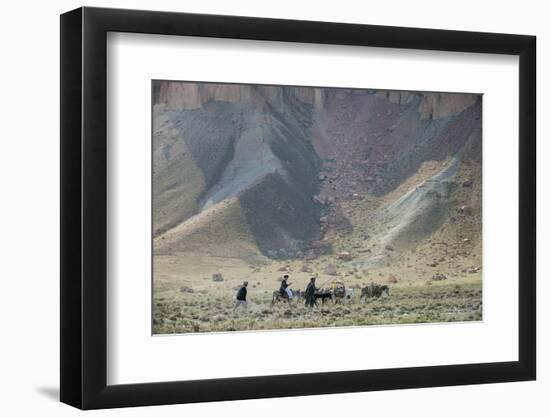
[{"x": 256, "y": 208}]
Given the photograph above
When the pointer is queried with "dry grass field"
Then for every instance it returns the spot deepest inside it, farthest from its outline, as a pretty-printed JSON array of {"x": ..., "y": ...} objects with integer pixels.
[{"x": 186, "y": 305}]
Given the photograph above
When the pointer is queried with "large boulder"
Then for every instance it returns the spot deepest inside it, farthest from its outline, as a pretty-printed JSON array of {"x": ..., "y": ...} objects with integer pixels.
[
  {"x": 467, "y": 184},
  {"x": 465, "y": 210},
  {"x": 345, "y": 256},
  {"x": 439, "y": 277},
  {"x": 330, "y": 269}
]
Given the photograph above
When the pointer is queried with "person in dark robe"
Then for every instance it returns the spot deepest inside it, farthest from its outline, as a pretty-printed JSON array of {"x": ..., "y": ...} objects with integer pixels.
[
  {"x": 309, "y": 293},
  {"x": 371, "y": 289},
  {"x": 241, "y": 296}
]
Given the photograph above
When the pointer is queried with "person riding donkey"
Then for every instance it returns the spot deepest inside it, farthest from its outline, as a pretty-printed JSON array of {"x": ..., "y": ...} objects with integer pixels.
[{"x": 285, "y": 290}]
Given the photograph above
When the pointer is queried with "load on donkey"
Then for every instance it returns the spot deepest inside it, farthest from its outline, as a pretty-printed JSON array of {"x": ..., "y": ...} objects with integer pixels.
[
  {"x": 374, "y": 291},
  {"x": 338, "y": 290},
  {"x": 335, "y": 291}
]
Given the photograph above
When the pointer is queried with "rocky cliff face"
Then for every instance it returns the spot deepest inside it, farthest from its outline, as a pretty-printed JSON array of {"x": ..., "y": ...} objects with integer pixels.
[
  {"x": 280, "y": 172},
  {"x": 438, "y": 106},
  {"x": 186, "y": 96},
  {"x": 178, "y": 96}
]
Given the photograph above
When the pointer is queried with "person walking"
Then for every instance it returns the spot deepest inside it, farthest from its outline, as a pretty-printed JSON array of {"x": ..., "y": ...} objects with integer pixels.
[
  {"x": 241, "y": 297},
  {"x": 309, "y": 294}
]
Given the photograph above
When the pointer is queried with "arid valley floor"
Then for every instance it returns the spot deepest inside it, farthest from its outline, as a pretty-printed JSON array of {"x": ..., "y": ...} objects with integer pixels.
[{"x": 254, "y": 182}]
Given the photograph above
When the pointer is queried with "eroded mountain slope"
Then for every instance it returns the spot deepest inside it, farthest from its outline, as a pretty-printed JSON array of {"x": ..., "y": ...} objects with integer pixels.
[{"x": 266, "y": 172}]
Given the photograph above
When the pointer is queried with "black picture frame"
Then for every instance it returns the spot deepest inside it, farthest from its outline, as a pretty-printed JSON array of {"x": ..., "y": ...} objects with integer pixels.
[{"x": 84, "y": 207}]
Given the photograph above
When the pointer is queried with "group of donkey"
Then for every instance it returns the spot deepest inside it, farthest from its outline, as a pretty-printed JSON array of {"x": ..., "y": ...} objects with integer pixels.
[{"x": 327, "y": 294}]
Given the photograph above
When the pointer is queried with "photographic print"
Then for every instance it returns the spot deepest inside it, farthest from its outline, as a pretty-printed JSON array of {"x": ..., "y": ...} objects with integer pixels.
[{"x": 291, "y": 207}]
